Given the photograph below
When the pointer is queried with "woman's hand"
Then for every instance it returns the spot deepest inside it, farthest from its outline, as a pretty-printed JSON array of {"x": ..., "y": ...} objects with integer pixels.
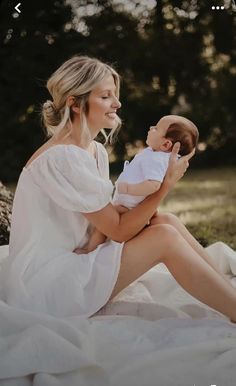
[{"x": 177, "y": 166}]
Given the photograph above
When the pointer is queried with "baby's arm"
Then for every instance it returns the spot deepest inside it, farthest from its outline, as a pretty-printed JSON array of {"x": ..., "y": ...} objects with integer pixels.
[{"x": 141, "y": 189}]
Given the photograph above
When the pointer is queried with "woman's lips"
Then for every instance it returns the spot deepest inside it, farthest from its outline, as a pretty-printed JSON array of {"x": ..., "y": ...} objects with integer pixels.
[{"x": 112, "y": 115}]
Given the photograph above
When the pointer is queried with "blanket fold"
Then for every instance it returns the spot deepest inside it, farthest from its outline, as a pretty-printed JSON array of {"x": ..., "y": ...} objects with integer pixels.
[{"x": 152, "y": 333}]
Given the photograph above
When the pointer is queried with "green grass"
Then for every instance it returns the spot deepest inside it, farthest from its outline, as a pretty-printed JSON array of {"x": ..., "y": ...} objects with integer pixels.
[{"x": 205, "y": 200}]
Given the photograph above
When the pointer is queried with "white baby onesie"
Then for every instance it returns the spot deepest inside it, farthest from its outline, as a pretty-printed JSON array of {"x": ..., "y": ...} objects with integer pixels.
[{"x": 146, "y": 165}]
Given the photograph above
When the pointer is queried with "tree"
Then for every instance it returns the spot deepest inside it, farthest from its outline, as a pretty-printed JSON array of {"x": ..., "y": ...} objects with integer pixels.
[
  {"x": 33, "y": 45},
  {"x": 176, "y": 57}
]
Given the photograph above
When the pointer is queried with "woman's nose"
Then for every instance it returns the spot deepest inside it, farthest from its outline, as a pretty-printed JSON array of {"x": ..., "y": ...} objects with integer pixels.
[{"x": 116, "y": 103}]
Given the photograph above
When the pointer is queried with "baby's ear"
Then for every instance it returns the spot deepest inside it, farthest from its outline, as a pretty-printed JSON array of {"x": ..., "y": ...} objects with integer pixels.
[{"x": 167, "y": 145}]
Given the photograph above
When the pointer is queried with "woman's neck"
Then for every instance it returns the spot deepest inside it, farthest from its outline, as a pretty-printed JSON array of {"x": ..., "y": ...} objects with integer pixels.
[{"x": 68, "y": 138}]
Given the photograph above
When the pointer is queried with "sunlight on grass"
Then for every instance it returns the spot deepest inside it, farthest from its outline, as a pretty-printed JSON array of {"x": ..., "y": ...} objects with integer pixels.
[{"x": 205, "y": 202}]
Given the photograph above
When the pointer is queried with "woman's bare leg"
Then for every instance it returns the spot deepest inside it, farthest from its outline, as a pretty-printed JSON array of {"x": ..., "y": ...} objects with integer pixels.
[
  {"x": 168, "y": 218},
  {"x": 163, "y": 243}
]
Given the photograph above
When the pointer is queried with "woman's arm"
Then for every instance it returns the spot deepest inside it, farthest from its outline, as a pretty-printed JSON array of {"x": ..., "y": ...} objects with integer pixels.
[{"x": 122, "y": 227}]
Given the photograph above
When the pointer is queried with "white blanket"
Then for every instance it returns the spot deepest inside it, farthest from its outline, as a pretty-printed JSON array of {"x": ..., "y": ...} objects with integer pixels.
[{"x": 152, "y": 334}]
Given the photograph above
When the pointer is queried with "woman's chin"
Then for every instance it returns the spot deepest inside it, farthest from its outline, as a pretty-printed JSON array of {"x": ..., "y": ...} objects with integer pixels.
[{"x": 111, "y": 124}]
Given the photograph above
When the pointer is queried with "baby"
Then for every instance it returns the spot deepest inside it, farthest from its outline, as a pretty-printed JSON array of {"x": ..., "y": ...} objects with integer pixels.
[{"x": 145, "y": 173}]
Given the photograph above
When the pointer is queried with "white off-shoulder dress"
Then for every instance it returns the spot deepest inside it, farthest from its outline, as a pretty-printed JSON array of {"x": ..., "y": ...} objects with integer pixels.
[{"x": 42, "y": 273}]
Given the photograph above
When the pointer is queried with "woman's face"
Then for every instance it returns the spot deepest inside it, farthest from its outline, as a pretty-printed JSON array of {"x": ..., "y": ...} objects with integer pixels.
[{"x": 103, "y": 105}]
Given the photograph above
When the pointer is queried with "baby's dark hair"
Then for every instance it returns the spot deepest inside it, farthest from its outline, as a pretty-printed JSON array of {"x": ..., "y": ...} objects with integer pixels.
[{"x": 186, "y": 133}]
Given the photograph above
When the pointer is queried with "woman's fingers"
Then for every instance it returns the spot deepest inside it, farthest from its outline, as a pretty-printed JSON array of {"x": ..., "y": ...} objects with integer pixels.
[
  {"x": 184, "y": 159},
  {"x": 186, "y": 164},
  {"x": 190, "y": 155},
  {"x": 175, "y": 151},
  {"x": 177, "y": 166}
]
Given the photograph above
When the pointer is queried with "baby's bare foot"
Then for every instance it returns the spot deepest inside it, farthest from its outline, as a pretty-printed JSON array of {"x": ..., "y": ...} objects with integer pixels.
[{"x": 80, "y": 251}]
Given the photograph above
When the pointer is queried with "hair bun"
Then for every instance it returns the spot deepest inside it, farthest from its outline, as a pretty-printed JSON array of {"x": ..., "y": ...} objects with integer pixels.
[
  {"x": 50, "y": 116},
  {"x": 49, "y": 106}
]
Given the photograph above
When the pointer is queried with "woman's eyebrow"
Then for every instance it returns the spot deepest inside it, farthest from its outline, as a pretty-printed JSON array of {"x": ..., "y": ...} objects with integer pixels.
[{"x": 107, "y": 90}]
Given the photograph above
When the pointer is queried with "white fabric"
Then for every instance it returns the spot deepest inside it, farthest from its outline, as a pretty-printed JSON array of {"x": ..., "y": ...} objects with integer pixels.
[
  {"x": 152, "y": 334},
  {"x": 42, "y": 273},
  {"x": 146, "y": 165}
]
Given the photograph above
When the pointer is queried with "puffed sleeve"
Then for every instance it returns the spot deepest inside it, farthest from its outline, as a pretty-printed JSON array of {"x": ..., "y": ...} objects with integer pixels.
[
  {"x": 69, "y": 176},
  {"x": 154, "y": 166}
]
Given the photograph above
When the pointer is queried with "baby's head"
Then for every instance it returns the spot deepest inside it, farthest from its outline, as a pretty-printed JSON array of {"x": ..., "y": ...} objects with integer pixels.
[{"x": 171, "y": 129}]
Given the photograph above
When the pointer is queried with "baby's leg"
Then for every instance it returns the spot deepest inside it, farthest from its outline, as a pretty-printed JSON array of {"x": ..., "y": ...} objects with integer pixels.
[
  {"x": 95, "y": 239},
  {"x": 121, "y": 209}
]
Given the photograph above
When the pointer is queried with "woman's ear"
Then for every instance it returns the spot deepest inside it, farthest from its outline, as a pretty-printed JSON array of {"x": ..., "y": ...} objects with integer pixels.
[
  {"x": 166, "y": 145},
  {"x": 73, "y": 104}
]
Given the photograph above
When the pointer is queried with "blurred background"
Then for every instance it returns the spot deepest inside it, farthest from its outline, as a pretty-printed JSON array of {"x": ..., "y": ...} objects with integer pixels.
[{"x": 173, "y": 57}]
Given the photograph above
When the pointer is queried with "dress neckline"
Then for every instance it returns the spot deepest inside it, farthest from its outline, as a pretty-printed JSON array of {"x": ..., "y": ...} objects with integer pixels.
[{"x": 95, "y": 159}]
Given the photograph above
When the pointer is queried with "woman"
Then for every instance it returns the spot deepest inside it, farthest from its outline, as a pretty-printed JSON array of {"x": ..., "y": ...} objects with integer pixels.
[{"x": 64, "y": 190}]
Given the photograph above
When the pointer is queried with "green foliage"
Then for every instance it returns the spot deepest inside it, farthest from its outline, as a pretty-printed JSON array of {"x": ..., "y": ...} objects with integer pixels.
[
  {"x": 177, "y": 57},
  {"x": 34, "y": 44}
]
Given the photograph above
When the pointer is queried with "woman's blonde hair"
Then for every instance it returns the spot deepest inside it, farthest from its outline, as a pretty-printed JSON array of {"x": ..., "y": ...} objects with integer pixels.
[{"x": 76, "y": 77}]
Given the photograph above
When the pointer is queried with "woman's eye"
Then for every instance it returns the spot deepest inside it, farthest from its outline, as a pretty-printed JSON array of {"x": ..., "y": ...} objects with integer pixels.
[{"x": 105, "y": 97}]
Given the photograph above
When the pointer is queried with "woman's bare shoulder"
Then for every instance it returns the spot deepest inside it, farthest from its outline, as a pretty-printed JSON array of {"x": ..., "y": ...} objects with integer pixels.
[{"x": 39, "y": 152}]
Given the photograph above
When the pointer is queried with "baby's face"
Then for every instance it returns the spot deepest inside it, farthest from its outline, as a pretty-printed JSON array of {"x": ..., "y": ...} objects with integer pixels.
[{"x": 157, "y": 135}]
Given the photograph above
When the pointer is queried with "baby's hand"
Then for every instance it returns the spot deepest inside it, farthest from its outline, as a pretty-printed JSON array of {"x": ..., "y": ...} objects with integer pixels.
[{"x": 122, "y": 187}]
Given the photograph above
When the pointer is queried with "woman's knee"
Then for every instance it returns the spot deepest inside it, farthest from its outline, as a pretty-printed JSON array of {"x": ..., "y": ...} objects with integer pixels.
[
  {"x": 166, "y": 238},
  {"x": 164, "y": 233},
  {"x": 167, "y": 218}
]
